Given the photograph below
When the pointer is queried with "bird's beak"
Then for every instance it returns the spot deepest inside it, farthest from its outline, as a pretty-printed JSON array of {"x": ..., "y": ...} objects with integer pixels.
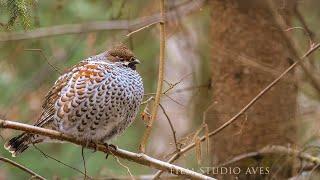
[{"x": 136, "y": 61}]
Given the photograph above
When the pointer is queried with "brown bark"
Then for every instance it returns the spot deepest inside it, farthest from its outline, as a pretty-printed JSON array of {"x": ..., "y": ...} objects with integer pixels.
[{"x": 248, "y": 29}]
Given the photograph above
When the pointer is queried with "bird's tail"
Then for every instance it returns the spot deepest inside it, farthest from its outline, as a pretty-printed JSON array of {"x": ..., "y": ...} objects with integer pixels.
[{"x": 18, "y": 144}]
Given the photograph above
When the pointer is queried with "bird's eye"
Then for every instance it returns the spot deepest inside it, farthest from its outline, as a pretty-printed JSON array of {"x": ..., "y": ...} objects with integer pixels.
[
  {"x": 121, "y": 59},
  {"x": 131, "y": 59}
]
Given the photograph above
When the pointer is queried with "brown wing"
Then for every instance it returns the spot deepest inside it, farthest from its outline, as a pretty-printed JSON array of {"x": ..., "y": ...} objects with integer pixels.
[{"x": 50, "y": 99}]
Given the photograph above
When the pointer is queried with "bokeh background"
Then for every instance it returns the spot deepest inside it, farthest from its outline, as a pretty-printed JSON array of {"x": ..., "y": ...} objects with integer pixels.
[
  {"x": 26, "y": 76},
  {"x": 218, "y": 56}
]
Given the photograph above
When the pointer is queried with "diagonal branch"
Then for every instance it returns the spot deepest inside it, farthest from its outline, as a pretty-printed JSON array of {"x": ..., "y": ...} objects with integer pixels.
[
  {"x": 154, "y": 112},
  {"x": 22, "y": 168},
  {"x": 244, "y": 109},
  {"x": 171, "y": 127},
  {"x": 139, "y": 158}
]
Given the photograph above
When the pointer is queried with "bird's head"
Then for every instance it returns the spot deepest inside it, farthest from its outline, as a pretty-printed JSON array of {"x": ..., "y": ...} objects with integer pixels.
[{"x": 121, "y": 54}]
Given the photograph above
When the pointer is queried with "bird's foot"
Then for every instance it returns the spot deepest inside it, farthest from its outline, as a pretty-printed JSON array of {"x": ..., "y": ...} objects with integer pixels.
[
  {"x": 92, "y": 144},
  {"x": 95, "y": 148},
  {"x": 114, "y": 147},
  {"x": 108, "y": 146}
]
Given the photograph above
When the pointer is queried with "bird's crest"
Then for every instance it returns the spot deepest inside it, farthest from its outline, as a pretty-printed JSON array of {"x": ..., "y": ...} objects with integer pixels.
[{"x": 120, "y": 52}]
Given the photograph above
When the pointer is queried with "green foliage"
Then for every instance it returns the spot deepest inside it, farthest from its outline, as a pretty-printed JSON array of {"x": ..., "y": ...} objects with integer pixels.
[{"x": 18, "y": 10}]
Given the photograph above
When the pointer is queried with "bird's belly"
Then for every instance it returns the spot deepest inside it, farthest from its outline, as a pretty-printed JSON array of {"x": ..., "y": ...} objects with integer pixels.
[
  {"x": 105, "y": 130},
  {"x": 99, "y": 123}
]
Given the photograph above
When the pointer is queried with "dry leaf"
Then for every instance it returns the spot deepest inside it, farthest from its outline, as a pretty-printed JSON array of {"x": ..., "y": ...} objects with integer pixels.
[
  {"x": 198, "y": 149},
  {"x": 145, "y": 115},
  {"x": 206, "y": 129}
]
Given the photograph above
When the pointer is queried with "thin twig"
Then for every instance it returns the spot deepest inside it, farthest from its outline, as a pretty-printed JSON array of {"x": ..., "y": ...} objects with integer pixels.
[
  {"x": 57, "y": 160},
  {"x": 154, "y": 111},
  {"x": 139, "y": 158},
  {"x": 171, "y": 86},
  {"x": 303, "y": 22},
  {"x": 84, "y": 163},
  {"x": 38, "y": 77},
  {"x": 173, "y": 100},
  {"x": 126, "y": 167},
  {"x": 45, "y": 57},
  {"x": 171, "y": 126},
  {"x": 190, "y": 88},
  {"x": 143, "y": 27},
  {"x": 147, "y": 101},
  {"x": 303, "y": 29},
  {"x": 244, "y": 109},
  {"x": 21, "y": 167}
]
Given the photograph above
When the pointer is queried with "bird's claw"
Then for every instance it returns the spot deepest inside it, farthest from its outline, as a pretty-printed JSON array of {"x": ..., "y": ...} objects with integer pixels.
[
  {"x": 113, "y": 146},
  {"x": 95, "y": 147},
  {"x": 108, "y": 148},
  {"x": 92, "y": 143}
]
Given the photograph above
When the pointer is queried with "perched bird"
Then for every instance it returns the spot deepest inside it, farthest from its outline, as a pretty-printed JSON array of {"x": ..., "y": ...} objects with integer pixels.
[{"x": 93, "y": 101}]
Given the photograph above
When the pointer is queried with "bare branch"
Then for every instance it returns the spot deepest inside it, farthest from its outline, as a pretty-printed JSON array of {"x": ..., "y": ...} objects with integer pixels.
[
  {"x": 171, "y": 126},
  {"x": 143, "y": 27},
  {"x": 154, "y": 111},
  {"x": 139, "y": 158},
  {"x": 21, "y": 167},
  {"x": 183, "y": 10}
]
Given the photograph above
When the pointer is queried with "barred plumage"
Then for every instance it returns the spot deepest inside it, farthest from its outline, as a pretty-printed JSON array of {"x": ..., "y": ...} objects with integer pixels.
[{"x": 95, "y": 100}]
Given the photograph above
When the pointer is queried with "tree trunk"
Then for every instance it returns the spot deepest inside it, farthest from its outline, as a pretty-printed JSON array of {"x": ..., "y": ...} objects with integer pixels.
[{"x": 248, "y": 51}]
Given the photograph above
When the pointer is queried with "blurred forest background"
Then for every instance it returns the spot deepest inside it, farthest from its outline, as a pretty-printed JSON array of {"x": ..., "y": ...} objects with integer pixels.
[{"x": 219, "y": 55}]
